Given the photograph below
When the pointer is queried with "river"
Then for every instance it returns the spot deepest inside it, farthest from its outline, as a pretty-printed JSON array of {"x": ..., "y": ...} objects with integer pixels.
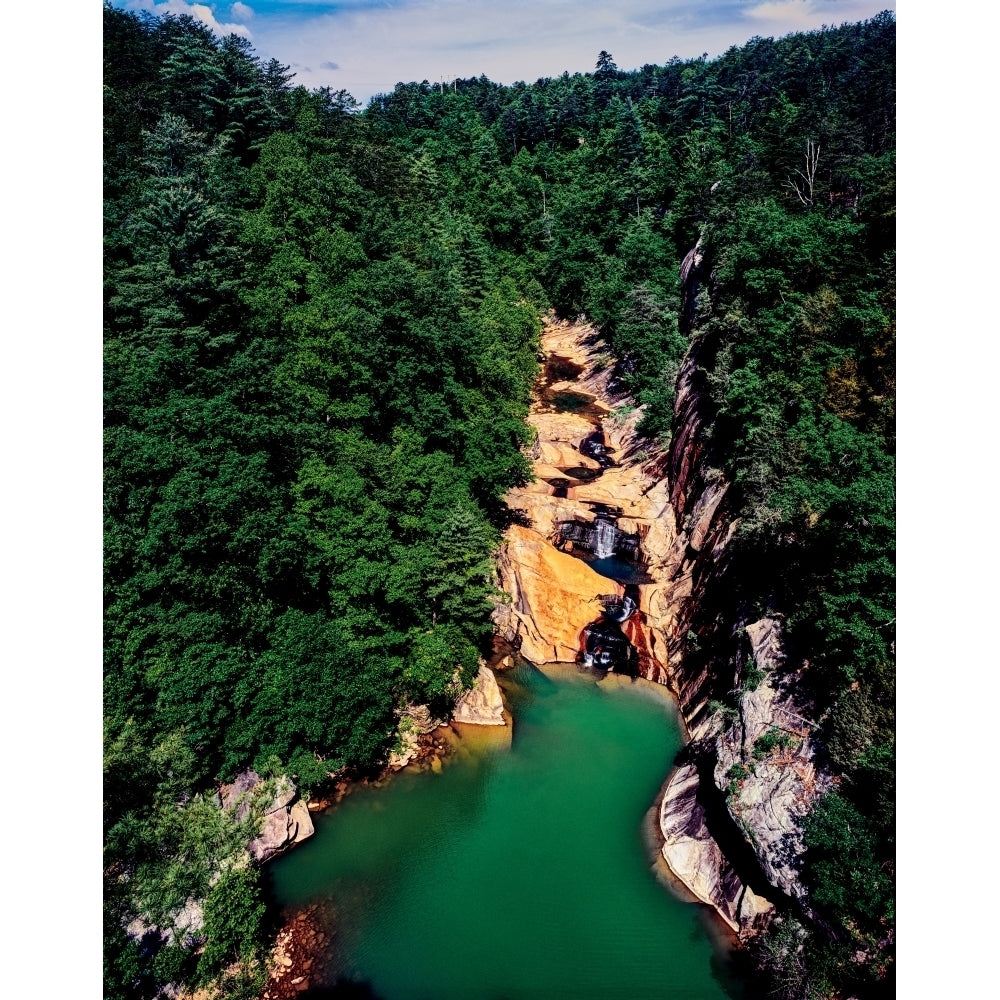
[{"x": 520, "y": 871}]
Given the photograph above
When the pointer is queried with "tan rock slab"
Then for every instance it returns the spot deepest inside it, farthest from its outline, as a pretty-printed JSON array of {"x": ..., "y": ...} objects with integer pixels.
[
  {"x": 482, "y": 704},
  {"x": 554, "y": 595}
]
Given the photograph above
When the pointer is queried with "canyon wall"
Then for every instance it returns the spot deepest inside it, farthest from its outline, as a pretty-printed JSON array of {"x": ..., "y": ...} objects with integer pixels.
[{"x": 729, "y": 812}]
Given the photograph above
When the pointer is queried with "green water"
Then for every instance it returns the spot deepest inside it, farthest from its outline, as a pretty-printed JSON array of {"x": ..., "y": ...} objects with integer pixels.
[{"x": 516, "y": 872}]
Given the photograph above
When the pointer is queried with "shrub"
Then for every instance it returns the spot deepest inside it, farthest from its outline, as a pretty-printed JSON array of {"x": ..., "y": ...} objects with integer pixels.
[
  {"x": 766, "y": 742},
  {"x": 752, "y": 677}
]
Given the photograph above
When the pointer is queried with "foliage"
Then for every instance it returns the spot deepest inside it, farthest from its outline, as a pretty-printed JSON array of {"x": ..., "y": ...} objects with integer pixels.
[
  {"x": 234, "y": 919},
  {"x": 752, "y": 677},
  {"x": 773, "y": 739},
  {"x": 321, "y": 330}
]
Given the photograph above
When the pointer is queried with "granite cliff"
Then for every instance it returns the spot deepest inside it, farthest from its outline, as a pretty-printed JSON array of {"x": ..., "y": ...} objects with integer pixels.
[{"x": 728, "y": 813}]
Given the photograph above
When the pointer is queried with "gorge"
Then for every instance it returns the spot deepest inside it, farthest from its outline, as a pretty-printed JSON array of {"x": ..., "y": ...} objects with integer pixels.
[
  {"x": 597, "y": 578},
  {"x": 635, "y": 564},
  {"x": 327, "y": 442}
]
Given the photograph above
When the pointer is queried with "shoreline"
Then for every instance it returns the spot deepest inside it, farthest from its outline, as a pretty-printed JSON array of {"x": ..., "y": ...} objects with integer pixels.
[
  {"x": 577, "y": 345},
  {"x": 724, "y": 939}
]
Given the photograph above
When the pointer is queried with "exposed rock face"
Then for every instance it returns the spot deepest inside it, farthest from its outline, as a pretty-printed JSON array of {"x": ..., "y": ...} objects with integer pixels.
[
  {"x": 764, "y": 794},
  {"x": 765, "y": 787},
  {"x": 553, "y": 596},
  {"x": 286, "y": 821},
  {"x": 695, "y": 857},
  {"x": 772, "y": 739},
  {"x": 482, "y": 704},
  {"x": 676, "y": 505},
  {"x": 184, "y": 929}
]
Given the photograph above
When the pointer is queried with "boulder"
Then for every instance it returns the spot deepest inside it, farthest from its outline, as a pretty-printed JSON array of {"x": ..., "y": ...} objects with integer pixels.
[
  {"x": 691, "y": 852},
  {"x": 414, "y": 722},
  {"x": 299, "y": 815},
  {"x": 482, "y": 704},
  {"x": 283, "y": 823}
]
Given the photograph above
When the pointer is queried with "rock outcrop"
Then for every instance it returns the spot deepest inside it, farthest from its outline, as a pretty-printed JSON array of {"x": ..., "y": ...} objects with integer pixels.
[
  {"x": 414, "y": 721},
  {"x": 769, "y": 749},
  {"x": 286, "y": 818},
  {"x": 482, "y": 704},
  {"x": 183, "y": 927},
  {"x": 695, "y": 857},
  {"x": 757, "y": 774},
  {"x": 285, "y": 821},
  {"x": 553, "y": 596}
]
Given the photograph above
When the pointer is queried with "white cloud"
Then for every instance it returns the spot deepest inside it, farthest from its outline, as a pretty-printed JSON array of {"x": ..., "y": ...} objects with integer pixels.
[
  {"x": 200, "y": 11},
  {"x": 794, "y": 15},
  {"x": 376, "y": 46}
]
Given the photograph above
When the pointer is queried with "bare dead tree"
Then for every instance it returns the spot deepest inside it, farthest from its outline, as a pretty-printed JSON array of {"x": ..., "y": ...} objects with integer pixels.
[
  {"x": 545, "y": 214},
  {"x": 805, "y": 187}
]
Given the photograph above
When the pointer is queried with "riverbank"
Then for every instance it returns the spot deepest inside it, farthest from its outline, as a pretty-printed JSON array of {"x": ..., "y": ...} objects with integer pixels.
[
  {"x": 594, "y": 472},
  {"x": 300, "y": 959}
]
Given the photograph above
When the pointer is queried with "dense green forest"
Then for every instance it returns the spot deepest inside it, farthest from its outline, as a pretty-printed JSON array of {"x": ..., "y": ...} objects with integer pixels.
[{"x": 321, "y": 329}]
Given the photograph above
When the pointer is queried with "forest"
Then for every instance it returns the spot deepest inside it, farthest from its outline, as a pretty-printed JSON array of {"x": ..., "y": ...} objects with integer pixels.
[{"x": 320, "y": 336}]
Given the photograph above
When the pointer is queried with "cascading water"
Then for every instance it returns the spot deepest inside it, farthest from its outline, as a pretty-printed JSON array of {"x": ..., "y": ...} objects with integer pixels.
[
  {"x": 620, "y": 609},
  {"x": 593, "y": 446},
  {"x": 612, "y": 552},
  {"x": 605, "y": 644},
  {"x": 605, "y": 538}
]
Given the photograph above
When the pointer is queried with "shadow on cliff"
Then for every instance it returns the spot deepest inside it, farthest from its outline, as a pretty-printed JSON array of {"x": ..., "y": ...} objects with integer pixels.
[{"x": 723, "y": 829}]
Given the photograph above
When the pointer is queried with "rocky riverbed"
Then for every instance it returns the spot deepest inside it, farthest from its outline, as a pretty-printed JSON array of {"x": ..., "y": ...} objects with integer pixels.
[{"x": 593, "y": 469}]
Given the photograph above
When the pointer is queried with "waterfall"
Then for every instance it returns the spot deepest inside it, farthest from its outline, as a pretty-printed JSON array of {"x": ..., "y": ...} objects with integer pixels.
[
  {"x": 605, "y": 536},
  {"x": 619, "y": 609}
]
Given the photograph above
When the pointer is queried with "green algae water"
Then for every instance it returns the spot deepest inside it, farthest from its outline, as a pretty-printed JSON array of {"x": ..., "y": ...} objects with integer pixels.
[{"x": 517, "y": 872}]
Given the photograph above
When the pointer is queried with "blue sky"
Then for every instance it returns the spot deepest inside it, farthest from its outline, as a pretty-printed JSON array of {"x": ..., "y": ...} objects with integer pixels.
[{"x": 366, "y": 46}]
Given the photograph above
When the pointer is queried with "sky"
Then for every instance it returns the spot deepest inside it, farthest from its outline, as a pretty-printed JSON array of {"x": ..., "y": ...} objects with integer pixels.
[{"x": 367, "y": 46}]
